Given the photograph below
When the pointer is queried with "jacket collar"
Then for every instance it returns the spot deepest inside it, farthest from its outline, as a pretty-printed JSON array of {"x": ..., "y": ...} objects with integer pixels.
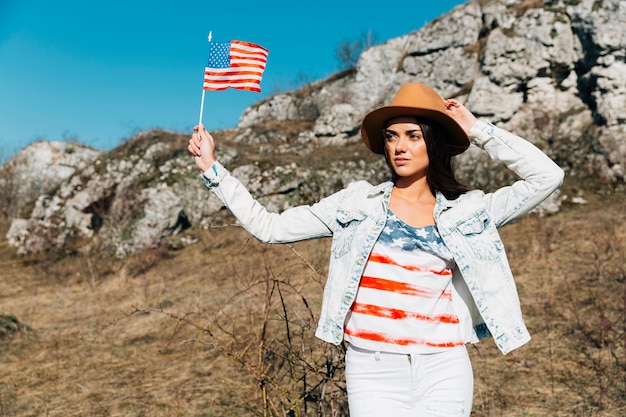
[
  {"x": 384, "y": 188},
  {"x": 443, "y": 203}
]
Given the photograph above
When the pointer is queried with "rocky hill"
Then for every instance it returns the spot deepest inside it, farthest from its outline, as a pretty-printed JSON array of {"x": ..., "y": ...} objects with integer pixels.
[{"x": 551, "y": 71}]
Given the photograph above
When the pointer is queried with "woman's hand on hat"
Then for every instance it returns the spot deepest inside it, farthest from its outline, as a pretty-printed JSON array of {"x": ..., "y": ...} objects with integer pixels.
[
  {"x": 460, "y": 114},
  {"x": 202, "y": 147}
]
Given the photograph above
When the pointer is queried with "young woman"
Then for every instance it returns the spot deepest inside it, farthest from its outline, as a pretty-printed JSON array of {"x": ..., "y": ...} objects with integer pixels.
[{"x": 417, "y": 268}]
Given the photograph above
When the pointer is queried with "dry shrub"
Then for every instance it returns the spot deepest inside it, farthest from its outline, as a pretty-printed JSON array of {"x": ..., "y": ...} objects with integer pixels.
[
  {"x": 255, "y": 323},
  {"x": 265, "y": 328},
  {"x": 10, "y": 326}
]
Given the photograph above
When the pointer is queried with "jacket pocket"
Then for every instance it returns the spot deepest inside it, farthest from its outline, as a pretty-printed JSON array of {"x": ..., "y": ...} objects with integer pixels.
[
  {"x": 348, "y": 222},
  {"x": 482, "y": 236}
]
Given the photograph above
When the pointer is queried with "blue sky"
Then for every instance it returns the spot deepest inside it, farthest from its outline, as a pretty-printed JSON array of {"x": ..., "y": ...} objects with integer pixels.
[{"x": 100, "y": 72}]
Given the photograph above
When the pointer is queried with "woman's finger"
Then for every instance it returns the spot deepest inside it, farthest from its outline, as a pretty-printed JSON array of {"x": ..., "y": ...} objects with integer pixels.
[{"x": 194, "y": 145}]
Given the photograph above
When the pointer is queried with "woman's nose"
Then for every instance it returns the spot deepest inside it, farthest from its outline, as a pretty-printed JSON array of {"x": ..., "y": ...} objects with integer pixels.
[{"x": 400, "y": 145}]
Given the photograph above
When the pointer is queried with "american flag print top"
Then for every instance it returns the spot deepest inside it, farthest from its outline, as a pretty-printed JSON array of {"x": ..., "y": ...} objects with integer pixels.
[{"x": 404, "y": 300}]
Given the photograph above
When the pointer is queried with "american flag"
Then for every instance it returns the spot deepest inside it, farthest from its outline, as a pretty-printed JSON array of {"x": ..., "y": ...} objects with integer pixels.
[{"x": 235, "y": 64}]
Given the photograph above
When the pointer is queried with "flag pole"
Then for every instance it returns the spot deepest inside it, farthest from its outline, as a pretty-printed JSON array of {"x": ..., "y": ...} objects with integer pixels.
[
  {"x": 201, "y": 108},
  {"x": 203, "y": 90}
]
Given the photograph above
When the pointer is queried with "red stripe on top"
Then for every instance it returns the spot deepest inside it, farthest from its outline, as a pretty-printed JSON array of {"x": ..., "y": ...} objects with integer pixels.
[
  {"x": 396, "y": 314},
  {"x": 402, "y": 288},
  {"x": 384, "y": 259},
  {"x": 382, "y": 337}
]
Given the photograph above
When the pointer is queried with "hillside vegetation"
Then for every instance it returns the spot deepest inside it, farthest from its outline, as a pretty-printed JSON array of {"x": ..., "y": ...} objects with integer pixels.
[{"x": 224, "y": 327}]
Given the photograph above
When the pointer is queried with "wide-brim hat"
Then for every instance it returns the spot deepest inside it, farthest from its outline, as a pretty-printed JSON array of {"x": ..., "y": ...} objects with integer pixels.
[{"x": 413, "y": 99}]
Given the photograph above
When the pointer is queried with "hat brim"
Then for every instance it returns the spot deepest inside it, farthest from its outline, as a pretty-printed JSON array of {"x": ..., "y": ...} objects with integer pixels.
[{"x": 374, "y": 123}]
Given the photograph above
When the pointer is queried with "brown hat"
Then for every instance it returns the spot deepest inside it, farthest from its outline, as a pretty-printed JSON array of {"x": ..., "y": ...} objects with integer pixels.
[{"x": 413, "y": 99}]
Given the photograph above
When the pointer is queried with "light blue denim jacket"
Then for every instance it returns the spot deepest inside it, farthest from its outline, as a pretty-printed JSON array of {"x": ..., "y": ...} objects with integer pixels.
[{"x": 484, "y": 292}]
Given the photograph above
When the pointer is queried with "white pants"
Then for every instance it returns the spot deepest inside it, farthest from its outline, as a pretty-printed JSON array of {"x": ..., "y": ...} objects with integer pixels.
[{"x": 400, "y": 385}]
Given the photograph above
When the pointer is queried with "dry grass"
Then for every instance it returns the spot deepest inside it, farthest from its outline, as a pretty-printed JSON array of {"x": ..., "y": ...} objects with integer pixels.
[
  {"x": 571, "y": 271},
  {"x": 225, "y": 327},
  {"x": 177, "y": 337}
]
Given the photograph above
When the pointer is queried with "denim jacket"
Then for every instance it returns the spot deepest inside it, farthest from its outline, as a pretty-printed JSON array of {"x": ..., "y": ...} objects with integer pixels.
[{"x": 484, "y": 292}]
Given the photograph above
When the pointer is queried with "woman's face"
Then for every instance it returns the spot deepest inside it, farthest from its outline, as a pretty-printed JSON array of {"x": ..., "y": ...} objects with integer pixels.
[{"x": 406, "y": 148}]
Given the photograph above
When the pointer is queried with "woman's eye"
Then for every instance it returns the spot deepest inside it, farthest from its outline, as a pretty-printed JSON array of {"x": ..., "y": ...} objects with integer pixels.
[{"x": 389, "y": 137}]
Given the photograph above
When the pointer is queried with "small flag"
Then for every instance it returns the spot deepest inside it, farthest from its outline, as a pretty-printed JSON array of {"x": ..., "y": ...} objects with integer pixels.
[{"x": 235, "y": 64}]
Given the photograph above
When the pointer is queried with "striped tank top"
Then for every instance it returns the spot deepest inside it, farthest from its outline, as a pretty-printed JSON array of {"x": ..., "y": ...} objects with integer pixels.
[{"x": 404, "y": 300}]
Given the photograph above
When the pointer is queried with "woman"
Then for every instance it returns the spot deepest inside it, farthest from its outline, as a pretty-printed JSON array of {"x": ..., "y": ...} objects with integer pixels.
[{"x": 417, "y": 268}]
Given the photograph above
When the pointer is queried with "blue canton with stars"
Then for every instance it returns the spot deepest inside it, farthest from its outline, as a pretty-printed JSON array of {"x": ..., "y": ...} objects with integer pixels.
[
  {"x": 400, "y": 235},
  {"x": 219, "y": 55}
]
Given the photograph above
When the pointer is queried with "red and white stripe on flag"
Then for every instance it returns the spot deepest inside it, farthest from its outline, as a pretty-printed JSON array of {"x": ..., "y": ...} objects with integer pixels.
[{"x": 235, "y": 64}]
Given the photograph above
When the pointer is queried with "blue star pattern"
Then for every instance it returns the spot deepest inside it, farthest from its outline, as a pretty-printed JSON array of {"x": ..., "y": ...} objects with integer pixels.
[
  {"x": 400, "y": 235},
  {"x": 219, "y": 55}
]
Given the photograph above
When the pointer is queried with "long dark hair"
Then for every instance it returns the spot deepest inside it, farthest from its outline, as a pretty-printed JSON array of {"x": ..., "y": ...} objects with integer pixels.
[{"x": 440, "y": 172}]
